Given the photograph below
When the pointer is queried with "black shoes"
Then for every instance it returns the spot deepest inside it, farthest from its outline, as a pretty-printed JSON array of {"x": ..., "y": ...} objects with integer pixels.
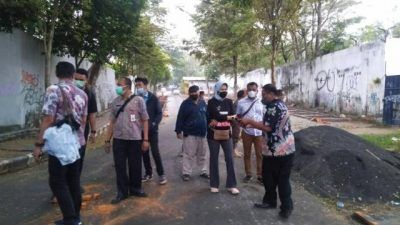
[
  {"x": 285, "y": 214},
  {"x": 140, "y": 194},
  {"x": 264, "y": 206},
  {"x": 118, "y": 199}
]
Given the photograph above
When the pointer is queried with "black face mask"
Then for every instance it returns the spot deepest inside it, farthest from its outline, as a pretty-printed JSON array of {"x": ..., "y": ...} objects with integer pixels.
[
  {"x": 194, "y": 97},
  {"x": 223, "y": 94},
  {"x": 265, "y": 102}
]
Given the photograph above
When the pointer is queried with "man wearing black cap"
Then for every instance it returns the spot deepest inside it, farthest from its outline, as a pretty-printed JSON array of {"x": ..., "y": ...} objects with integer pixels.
[{"x": 191, "y": 127}]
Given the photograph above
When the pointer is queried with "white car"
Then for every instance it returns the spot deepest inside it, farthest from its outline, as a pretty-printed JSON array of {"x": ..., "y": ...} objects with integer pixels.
[{"x": 176, "y": 92}]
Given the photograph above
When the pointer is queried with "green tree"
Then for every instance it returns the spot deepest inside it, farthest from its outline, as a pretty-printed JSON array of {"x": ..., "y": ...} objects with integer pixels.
[
  {"x": 41, "y": 20},
  {"x": 275, "y": 17},
  {"x": 226, "y": 33}
]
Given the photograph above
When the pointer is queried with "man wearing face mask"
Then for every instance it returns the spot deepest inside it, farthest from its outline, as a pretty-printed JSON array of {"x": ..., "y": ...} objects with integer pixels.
[
  {"x": 251, "y": 108},
  {"x": 155, "y": 116},
  {"x": 191, "y": 127},
  {"x": 81, "y": 79},
  {"x": 128, "y": 131}
]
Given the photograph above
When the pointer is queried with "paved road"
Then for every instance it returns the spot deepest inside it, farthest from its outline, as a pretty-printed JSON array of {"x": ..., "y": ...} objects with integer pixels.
[{"x": 25, "y": 195}]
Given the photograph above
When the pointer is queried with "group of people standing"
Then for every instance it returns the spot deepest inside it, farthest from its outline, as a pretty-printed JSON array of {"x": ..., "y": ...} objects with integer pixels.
[
  {"x": 265, "y": 125},
  {"x": 133, "y": 130}
]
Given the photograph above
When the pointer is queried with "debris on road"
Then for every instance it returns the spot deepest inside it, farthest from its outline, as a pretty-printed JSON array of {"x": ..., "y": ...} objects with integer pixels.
[{"x": 364, "y": 218}]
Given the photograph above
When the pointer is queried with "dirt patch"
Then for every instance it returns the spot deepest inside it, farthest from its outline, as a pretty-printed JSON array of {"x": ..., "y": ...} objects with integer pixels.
[{"x": 337, "y": 164}]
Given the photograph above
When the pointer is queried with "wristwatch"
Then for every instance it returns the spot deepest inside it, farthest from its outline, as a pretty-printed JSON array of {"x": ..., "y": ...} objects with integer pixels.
[
  {"x": 146, "y": 140},
  {"x": 107, "y": 141}
]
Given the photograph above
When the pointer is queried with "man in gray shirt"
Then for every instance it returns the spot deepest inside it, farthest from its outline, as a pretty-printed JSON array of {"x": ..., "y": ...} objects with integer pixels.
[
  {"x": 251, "y": 108},
  {"x": 129, "y": 129}
]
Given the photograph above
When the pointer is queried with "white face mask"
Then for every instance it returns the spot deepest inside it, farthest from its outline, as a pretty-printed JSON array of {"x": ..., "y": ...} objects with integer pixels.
[{"x": 252, "y": 94}]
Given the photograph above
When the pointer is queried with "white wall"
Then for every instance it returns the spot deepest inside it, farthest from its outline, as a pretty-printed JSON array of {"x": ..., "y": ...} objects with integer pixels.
[
  {"x": 22, "y": 80},
  {"x": 347, "y": 81}
]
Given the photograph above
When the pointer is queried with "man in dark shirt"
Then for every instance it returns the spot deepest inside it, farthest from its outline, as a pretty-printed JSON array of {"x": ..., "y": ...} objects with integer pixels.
[
  {"x": 81, "y": 78},
  {"x": 191, "y": 127},
  {"x": 154, "y": 110}
]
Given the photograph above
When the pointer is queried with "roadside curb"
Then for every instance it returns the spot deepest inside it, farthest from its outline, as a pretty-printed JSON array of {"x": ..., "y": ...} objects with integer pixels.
[
  {"x": 18, "y": 163},
  {"x": 25, "y": 161}
]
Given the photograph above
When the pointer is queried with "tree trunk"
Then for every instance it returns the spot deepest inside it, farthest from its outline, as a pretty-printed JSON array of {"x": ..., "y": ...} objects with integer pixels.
[
  {"x": 273, "y": 58},
  {"x": 319, "y": 28},
  {"x": 94, "y": 73},
  {"x": 235, "y": 71}
]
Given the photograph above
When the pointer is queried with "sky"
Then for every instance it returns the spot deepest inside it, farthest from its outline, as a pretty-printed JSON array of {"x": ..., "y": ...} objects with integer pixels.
[{"x": 180, "y": 26}]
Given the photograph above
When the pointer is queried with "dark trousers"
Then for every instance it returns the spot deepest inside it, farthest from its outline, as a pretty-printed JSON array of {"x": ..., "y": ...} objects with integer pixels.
[
  {"x": 64, "y": 183},
  {"x": 82, "y": 152},
  {"x": 276, "y": 173},
  {"x": 214, "y": 158},
  {"x": 153, "y": 138},
  {"x": 123, "y": 151}
]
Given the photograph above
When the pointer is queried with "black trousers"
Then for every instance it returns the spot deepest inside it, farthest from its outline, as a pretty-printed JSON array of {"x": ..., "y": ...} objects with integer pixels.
[
  {"x": 128, "y": 151},
  {"x": 276, "y": 173},
  {"x": 82, "y": 152},
  {"x": 65, "y": 184},
  {"x": 153, "y": 138}
]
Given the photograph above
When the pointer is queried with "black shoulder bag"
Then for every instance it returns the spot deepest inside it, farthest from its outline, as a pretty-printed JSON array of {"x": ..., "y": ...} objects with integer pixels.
[{"x": 121, "y": 109}]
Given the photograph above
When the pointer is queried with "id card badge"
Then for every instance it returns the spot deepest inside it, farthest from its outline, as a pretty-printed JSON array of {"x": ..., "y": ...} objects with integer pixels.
[{"x": 133, "y": 118}]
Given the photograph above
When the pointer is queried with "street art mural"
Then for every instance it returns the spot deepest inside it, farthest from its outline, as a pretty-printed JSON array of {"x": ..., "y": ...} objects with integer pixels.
[{"x": 33, "y": 96}]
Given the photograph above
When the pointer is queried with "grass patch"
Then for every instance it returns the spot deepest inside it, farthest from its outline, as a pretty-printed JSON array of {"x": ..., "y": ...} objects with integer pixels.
[{"x": 384, "y": 141}]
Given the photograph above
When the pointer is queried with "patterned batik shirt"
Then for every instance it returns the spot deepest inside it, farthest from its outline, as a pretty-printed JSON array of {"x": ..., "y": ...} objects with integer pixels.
[
  {"x": 53, "y": 104},
  {"x": 280, "y": 141}
]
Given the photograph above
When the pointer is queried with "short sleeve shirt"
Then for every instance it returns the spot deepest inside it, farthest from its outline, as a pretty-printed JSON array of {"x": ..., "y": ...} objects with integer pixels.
[
  {"x": 128, "y": 125},
  {"x": 53, "y": 104}
]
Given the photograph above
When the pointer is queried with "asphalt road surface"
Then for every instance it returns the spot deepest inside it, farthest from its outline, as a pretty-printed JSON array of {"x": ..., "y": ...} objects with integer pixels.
[{"x": 25, "y": 195}]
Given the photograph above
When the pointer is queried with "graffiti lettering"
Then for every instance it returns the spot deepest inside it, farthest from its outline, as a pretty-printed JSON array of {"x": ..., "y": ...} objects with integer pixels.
[{"x": 33, "y": 94}]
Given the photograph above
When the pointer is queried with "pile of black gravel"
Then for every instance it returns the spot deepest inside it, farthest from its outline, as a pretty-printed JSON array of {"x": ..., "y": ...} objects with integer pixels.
[{"x": 335, "y": 163}]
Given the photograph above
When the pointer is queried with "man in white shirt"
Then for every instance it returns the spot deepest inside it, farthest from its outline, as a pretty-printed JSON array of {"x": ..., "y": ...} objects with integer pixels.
[{"x": 251, "y": 108}]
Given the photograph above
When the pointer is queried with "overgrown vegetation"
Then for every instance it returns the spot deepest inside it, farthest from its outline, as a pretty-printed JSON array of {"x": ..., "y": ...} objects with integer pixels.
[{"x": 386, "y": 141}]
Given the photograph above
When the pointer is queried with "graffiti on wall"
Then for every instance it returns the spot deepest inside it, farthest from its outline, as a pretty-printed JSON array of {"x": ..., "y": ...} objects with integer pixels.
[
  {"x": 339, "y": 86},
  {"x": 33, "y": 96}
]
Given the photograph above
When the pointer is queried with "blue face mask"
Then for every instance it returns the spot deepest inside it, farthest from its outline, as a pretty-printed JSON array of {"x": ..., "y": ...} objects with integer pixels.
[{"x": 140, "y": 91}]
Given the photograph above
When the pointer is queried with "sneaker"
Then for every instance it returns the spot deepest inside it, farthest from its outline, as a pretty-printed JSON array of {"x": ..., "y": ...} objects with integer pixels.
[
  {"x": 185, "y": 177},
  {"x": 147, "y": 178},
  {"x": 247, "y": 179},
  {"x": 205, "y": 175},
  {"x": 53, "y": 200},
  {"x": 234, "y": 191},
  {"x": 162, "y": 180},
  {"x": 214, "y": 190},
  {"x": 285, "y": 214}
]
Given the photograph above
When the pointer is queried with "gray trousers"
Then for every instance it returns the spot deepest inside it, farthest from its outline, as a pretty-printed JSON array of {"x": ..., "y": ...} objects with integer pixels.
[
  {"x": 214, "y": 169},
  {"x": 194, "y": 147}
]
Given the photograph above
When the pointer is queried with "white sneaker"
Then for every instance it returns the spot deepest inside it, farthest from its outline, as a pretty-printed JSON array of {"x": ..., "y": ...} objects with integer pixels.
[
  {"x": 234, "y": 191},
  {"x": 214, "y": 190}
]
